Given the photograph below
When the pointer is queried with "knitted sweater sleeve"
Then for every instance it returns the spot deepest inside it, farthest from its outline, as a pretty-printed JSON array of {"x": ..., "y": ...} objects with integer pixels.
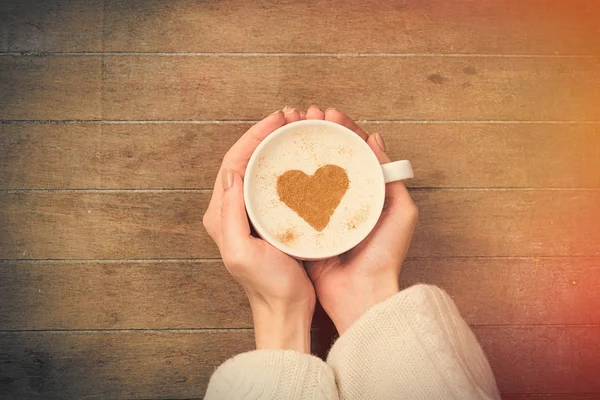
[
  {"x": 414, "y": 345},
  {"x": 272, "y": 374}
]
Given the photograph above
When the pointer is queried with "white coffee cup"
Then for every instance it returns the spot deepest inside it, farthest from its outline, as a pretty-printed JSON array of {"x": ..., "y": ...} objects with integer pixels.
[{"x": 381, "y": 174}]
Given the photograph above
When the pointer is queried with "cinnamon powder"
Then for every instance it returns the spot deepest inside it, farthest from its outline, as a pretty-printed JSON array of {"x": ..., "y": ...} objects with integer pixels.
[
  {"x": 359, "y": 217},
  {"x": 287, "y": 237},
  {"x": 314, "y": 198}
]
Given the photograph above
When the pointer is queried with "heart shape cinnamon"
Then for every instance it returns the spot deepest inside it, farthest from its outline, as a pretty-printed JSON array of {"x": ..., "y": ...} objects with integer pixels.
[{"x": 314, "y": 198}]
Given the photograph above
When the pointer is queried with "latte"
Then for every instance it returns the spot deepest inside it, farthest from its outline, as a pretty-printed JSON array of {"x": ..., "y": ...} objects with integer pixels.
[{"x": 314, "y": 188}]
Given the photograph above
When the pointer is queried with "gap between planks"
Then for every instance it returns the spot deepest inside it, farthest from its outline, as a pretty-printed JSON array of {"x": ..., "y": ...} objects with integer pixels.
[
  {"x": 217, "y": 330},
  {"x": 286, "y": 54},
  {"x": 216, "y": 259},
  {"x": 114, "y": 331},
  {"x": 243, "y": 121},
  {"x": 202, "y": 190}
]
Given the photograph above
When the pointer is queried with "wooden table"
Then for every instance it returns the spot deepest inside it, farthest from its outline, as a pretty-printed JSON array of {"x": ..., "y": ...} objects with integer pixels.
[{"x": 116, "y": 114}]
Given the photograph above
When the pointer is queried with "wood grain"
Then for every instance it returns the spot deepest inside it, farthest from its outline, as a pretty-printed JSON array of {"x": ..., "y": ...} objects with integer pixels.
[
  {"x": 127, "y": 364},
  {"x": 491, "y": 155},
  {"x": 120, "y": 295},
  {"x": 380, "y": 88},
  {"x": 514, "y": 291},
  {"x": 51, "y": 25},
  {"x": 52, "y": 156},
  {"x": 186, "y": 294},
  {"x": 540, "y": 27},
  {"x": 507, "y": 223},
  {"x": 65, "y": 225},
  {"x": 178, "y": 364},
  {"x": 207, "y": 87},
  {"x": 59, "y": 88},
  {"x": 512, "y": 26},
  {"x": 164, "y": 224},
  {"x": 156, "y": 156},
  {"x": 81, "y": 156},
  {"x": 543, "y": 359}
]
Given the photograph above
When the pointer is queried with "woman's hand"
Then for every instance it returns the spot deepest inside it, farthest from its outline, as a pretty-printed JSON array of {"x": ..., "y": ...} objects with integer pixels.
[
  {"x": 348, "y": 285},
  {"x": 281, "y": 296}
]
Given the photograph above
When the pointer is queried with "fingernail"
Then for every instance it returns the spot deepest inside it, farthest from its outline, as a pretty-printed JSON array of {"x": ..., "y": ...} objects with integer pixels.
[
  {"x": 288, "y": 110},
  {"x": 227, "y": 178},
  {"x": 330, "y": 109},
  {"x": 313, "y": 106},
  {"x": 276, "y": 112},
  {"x": 379, "y": 140}
]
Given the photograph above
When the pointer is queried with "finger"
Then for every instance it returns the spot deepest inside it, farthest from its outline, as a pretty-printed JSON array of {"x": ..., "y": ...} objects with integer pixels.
[
  {"x": 291, "y": 114},
  {"x": 302, "y": 115},
  {"x": 238, "y": 155},
  {"x": 235, "y": 228},
  {"x": 394, "y": 191},
  {"x": 339, "y": 117},
  {"x": 237, "y": 159},
  {"x": 314, "y": 112},
  {"x": 399, "y": 217}
]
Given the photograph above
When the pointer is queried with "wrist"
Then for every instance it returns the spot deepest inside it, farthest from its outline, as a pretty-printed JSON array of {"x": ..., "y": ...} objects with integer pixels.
[
  {"x": 282, "y": 327},
  {"x": 348, "y": 309}
]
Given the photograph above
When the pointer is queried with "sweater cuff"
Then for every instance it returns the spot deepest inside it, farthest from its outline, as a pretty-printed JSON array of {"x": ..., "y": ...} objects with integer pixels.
[
  {"x": 272, "y": 374},
  {"x": 414, "y": 343}
]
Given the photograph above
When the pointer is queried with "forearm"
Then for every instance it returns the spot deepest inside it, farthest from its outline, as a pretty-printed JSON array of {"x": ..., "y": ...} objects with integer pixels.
[{"x": 414, "y": 345}]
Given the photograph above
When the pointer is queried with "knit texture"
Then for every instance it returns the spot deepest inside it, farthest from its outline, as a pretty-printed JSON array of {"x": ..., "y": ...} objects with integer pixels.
[
  {"x": 414, "y": 345},
  {"x": 272, "y": 374}
]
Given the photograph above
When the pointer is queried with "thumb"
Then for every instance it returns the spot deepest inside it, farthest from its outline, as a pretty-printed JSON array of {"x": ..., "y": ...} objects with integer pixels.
[
  {"x": 235, "y": 228},
  {"x": 376, "y": 143},
  {"x": 395, "y": 191},
  {"x": 400, "y": 214}
]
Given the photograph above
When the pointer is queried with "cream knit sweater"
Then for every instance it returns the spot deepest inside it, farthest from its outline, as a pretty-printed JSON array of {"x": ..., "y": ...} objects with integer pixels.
[{"x": 414, "y": 345}]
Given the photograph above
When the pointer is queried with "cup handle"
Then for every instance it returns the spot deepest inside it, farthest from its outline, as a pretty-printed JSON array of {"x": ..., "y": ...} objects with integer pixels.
[{"x": 397, "y": 171}]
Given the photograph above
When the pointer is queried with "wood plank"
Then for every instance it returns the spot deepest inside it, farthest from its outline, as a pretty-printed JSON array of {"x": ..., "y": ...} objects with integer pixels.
[
  {"x": 436, "y": 26},
  {"x": 167, "y": 224},
  {"x": 51, "y": 25},
  {"x": 380, "y": 88},
  {"x": 64, "y": 225},
  {"x": 491, "y": 155},
  {"x": 120, "y": 295},
  {"x": 155, "y": 156},
  {"x": 199, "y": 87},
  {"x": 507, "y": 223},
  {"x": 132, "y": 365},
  {"x": 182, "y": 294},
  {"x": 514, "y": 291},
  {"x": 60, "y": 88},
  {"x": 51, "y": 156},
  {"x": 539, "y": 359},
  {"x": 539, "y": 27},
  {"x": 178, "y": 364},
  {"x": 80, "y": 156}
]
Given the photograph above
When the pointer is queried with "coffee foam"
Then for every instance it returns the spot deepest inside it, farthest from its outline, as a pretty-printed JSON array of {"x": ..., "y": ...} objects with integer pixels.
[{"x": 306, "y": 149}]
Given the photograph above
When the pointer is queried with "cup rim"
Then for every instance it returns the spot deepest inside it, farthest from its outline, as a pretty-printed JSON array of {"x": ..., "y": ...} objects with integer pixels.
[{"x": 313, "y": 254}]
